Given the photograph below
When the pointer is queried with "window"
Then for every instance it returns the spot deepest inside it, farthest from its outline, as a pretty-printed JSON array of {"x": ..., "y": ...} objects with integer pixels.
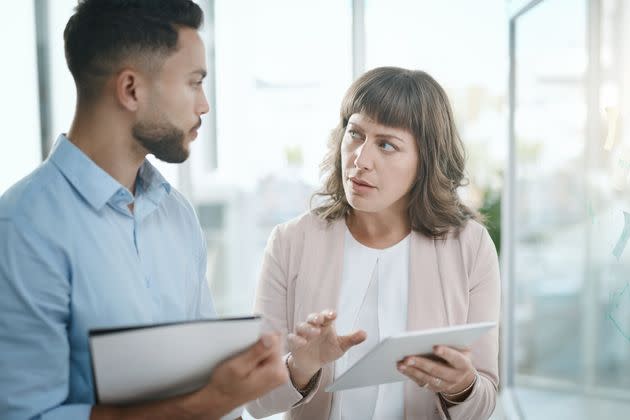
[
  {"x": 19, "y": 107},
  {"x": 568, "y": 192},
  {"x": 280, "y": 76}
]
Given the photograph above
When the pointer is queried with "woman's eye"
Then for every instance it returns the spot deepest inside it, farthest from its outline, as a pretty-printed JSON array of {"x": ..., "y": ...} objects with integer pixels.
[
  {"x": 354, "y": 134},
  {"x": 388, "y": 147}
]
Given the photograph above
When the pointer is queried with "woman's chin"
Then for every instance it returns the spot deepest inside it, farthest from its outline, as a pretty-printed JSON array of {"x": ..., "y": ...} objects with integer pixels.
[{"x": 362, "y": 205}]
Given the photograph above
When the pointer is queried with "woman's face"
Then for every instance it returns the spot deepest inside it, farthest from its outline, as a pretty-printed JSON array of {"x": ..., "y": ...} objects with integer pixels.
[{"x": 378, "y": 165}]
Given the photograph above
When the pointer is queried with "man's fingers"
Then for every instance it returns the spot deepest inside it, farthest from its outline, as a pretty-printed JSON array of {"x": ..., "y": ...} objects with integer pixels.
[
  {"x": 347, "y": 341},
  {"x": 264, "y": 377},
  {"x": 268, "y": 375},
  {"x": 246, "y": 361}
]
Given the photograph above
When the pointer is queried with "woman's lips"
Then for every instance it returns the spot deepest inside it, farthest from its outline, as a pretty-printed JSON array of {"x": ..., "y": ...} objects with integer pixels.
[{"x": 360, "y": 186}]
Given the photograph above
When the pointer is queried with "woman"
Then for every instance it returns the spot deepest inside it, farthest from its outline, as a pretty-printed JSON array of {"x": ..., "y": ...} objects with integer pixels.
[{"x": 390, "y": 249}]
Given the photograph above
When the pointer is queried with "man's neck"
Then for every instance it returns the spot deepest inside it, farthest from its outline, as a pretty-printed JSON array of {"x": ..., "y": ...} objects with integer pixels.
[{"x": 108, "y": 143}]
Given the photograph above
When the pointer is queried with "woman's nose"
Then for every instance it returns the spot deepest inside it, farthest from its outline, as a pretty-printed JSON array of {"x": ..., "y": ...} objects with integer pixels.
[{"x": 363, "y": 158}]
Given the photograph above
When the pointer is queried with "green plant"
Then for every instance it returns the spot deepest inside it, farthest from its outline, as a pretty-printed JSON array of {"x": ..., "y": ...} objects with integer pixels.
[{"x": 491, "y": 211}]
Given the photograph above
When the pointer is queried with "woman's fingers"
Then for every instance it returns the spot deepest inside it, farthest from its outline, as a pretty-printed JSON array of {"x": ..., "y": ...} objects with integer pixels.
[
  {"x": 315, "y": 319},
  {"x": 295, "y": 341},
  {"x": 321, "y": 319},
  {"x": 347, "y": 341},
  {"x": 419, "y": 377},
  {"x": 328, "y": 316},
  {"x": 307, "y": 330},
  {"x": 459, "y": 359},
  {"x": 437, "y": 376},
  {"x": 432, "y": 369},
  {"x": 313, "y": 327},
  {"x": 423, "y": 379}
]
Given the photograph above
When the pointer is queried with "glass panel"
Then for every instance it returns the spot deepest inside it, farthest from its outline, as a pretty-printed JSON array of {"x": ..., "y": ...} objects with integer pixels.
[
  {"x": 572, "y": 296},
  {"x": 609, "y": 198},
  {"x": 550, "y": 222}
]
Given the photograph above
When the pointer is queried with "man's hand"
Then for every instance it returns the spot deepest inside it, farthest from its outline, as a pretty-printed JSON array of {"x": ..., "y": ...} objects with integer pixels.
[
  {"x": 316, "y": 343},
  {"x": 248, "y": 375}
]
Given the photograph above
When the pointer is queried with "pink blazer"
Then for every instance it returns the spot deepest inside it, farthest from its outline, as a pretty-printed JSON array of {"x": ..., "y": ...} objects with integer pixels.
[{"x": 452, "y": 281}]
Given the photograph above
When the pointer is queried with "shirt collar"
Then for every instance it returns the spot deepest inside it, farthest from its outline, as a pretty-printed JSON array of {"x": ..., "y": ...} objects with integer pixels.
[
  {"x": 152, "y": 183},
  {"x": 96, "y": 185}
]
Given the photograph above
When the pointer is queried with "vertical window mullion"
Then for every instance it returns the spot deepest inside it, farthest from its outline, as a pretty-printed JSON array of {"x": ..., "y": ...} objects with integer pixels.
[{"x": 43, "y": 74}]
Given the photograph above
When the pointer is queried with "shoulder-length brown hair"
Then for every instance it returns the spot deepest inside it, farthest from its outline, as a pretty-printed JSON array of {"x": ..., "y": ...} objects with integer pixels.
[{"x": 414, "y": 101}]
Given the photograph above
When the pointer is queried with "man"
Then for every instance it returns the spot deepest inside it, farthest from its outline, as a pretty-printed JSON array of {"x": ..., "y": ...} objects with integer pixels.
[{"x": 95, "y": 237}]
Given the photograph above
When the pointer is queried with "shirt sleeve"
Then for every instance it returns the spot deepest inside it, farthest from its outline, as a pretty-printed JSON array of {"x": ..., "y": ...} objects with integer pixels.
[
  {"x": 34, "y": 317},
  {"x": 204, "y": 305}
]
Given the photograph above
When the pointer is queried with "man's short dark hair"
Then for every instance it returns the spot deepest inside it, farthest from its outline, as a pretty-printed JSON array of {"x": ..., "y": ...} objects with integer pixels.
[{"x": 103, "y": 34}]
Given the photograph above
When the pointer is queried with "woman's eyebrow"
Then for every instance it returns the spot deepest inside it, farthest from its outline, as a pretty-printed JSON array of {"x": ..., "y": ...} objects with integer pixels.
[
  {"x": 380, "y": 135},
  {"x": 355, "y": 125},
  {"x": 391, "y": 136}
]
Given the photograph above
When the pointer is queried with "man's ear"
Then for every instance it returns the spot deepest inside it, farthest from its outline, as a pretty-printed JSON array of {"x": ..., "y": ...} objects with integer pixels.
[{"x": 130, "y": 87}]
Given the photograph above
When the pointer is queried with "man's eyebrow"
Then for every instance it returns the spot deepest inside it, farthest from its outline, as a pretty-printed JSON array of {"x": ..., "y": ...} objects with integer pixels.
[{"x": 200, "y": 72}]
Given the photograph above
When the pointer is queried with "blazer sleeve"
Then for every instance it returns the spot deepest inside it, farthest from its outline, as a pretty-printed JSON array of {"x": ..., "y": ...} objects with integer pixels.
[
  {"x": 271, "y": 303},
  {"x": 484, "y": 305}
]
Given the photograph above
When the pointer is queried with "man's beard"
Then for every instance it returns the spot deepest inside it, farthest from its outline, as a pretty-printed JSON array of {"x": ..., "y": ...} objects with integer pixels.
[{"x": 164, "y": 141}]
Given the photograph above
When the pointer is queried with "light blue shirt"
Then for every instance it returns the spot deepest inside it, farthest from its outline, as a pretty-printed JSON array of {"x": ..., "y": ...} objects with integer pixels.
[{"x": 72, "y": 258}]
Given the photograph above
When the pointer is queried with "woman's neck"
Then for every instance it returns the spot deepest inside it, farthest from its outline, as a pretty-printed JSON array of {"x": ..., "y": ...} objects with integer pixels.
[{"x": 377, "y": 230}]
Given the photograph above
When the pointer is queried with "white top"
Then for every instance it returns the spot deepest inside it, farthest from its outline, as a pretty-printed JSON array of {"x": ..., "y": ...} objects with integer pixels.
[{"x": 373, "y": 298}]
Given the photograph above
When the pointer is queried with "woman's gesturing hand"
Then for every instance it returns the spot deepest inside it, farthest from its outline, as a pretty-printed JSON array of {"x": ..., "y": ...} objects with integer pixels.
[
  {"x": 316, "y": 343},
  {"x": 453, "y": 378}
]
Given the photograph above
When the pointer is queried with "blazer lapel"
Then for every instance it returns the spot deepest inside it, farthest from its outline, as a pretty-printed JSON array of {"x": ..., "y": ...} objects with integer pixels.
[
  {"x": 320, "y": 271},
  {"x": 426, "y": 305}
]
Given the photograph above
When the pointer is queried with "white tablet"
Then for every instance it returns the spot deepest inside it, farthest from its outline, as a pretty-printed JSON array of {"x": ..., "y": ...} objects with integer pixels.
[
  {"x": 379, "y": 365},
  {"x": 149, "y": 362}
]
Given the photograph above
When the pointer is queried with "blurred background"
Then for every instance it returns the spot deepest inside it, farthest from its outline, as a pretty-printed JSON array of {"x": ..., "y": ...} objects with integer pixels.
[{"x": 540, "y": 94}]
